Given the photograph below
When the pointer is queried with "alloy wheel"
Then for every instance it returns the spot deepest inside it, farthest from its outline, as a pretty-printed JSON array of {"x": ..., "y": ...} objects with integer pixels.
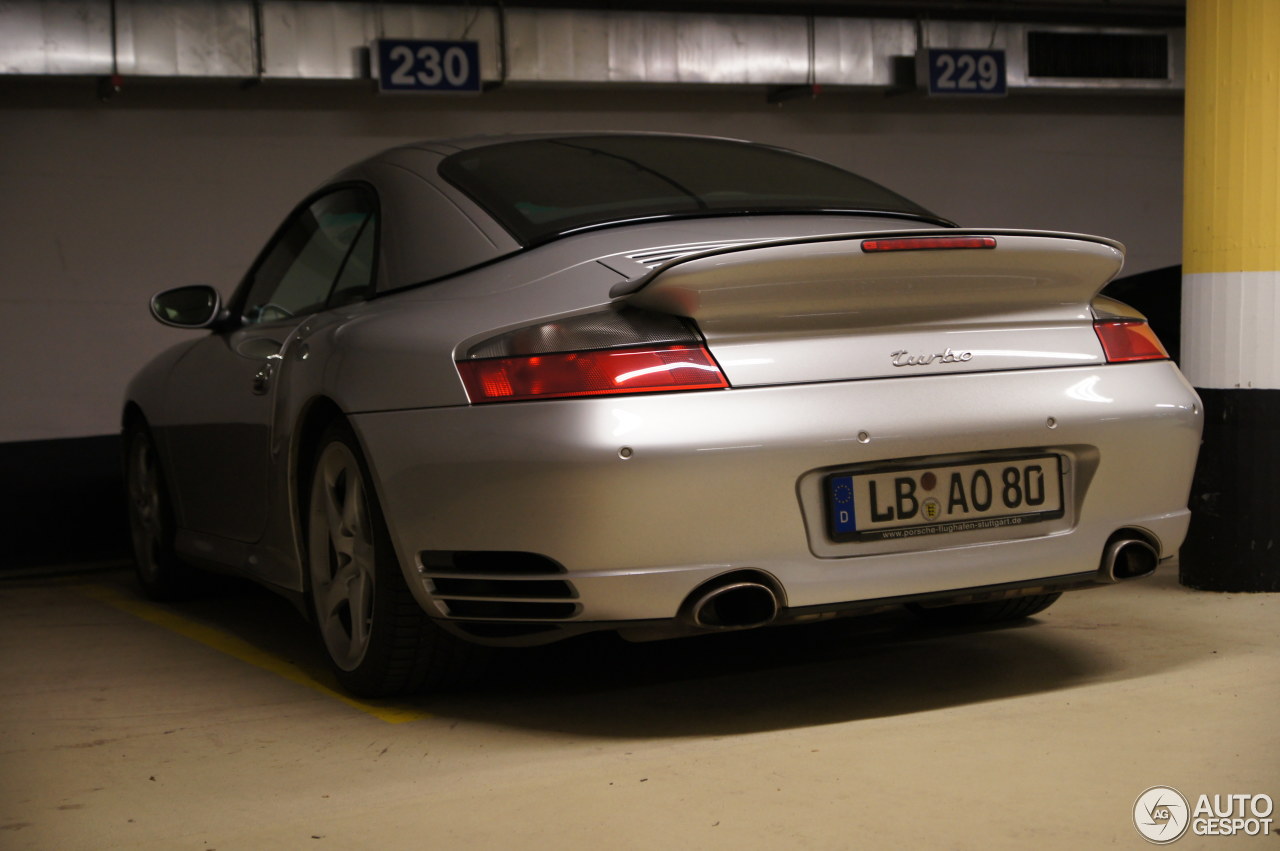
[{"x": 342, "y": 556}]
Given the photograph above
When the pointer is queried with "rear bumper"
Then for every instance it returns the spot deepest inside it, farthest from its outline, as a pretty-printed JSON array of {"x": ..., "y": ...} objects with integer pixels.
[{"x": 638, "y": 500}]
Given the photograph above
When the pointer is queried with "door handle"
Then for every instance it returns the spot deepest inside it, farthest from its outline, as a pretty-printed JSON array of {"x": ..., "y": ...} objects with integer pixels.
[
  {"x": 262, "y": 378},
  {"x": 262, "y": 381}
]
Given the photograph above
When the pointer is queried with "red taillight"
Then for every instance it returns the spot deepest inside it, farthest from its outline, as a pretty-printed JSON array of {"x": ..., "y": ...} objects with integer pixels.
[
  {"x": 1128, "y": 340},
  {"x": 927, "y": 243},
  {"x": 649, "y": 369}
]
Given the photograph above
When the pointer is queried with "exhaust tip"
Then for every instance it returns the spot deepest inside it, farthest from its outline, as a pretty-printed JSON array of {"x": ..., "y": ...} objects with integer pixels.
[
  {"x": 737, "y": 605},
  {"x": 1128, "y": 558}
]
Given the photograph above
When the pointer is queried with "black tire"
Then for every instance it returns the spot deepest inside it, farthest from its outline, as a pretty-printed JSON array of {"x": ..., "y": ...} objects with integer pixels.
[
  {"x": 991, "y": 612},
  {"x": 378, "y": 639},
  {"x": 162, "y": 575}
]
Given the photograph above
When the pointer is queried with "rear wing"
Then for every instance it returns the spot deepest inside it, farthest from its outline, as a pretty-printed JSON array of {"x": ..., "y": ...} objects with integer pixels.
[{"x": 870, "y": 278}]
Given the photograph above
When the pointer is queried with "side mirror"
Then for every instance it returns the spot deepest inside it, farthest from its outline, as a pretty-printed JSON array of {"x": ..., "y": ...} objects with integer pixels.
[{"x": 187, "y": 307}]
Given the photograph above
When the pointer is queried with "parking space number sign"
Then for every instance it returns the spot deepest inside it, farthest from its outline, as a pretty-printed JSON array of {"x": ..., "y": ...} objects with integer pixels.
[
  {"x": 961, "y": 71},
  {"x": 416, "y": 65}
]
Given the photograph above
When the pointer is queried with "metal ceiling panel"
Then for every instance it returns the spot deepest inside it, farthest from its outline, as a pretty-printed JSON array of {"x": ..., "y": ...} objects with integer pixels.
[
  {"x": 566, "y": 46},
  {"x": 56, "y": 37},
  {"x": 185, "y": 38},
  {"x": 310, "y": 40},
  {"x": 860, "y": 51}
]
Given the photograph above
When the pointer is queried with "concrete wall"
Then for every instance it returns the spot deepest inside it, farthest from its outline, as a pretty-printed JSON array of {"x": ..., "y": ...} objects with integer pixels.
[{"x": 103, "y": 204}]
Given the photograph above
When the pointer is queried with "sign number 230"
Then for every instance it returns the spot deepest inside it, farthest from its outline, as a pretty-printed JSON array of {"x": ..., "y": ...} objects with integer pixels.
[{"x": 451, "y": 66}]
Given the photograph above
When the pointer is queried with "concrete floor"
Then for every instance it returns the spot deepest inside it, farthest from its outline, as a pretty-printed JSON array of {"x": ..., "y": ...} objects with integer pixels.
[{"x": 205, "y": 726}]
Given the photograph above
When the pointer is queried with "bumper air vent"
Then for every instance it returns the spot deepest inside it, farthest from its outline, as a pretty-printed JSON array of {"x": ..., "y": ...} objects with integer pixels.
[{"x": 499, "y": 586}]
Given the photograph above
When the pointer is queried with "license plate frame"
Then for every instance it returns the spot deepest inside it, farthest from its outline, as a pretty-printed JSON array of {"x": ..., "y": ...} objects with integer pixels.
[{"x": 873, "y": 503}]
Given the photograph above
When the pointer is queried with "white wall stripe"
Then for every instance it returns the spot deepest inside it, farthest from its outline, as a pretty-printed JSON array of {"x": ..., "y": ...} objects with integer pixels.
[{"x": 1231, "y": 330}]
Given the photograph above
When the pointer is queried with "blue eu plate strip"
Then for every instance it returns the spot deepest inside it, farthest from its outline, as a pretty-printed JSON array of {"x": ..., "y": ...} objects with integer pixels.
[{"x": 842, "y": 517}]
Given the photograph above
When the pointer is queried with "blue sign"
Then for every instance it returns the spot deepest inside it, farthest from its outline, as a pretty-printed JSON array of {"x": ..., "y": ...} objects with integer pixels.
[
  {"x": 414, "y": 65},
  {"x": 960, "y": 71}
]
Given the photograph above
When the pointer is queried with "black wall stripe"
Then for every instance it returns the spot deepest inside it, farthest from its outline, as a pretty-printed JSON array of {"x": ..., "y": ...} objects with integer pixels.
[
  {"x": 1234, "y": 540},
  {"x": 68, "y": 502}
]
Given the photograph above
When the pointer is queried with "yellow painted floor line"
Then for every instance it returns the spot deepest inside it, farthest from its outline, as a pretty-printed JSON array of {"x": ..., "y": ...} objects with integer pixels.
[{"x": 238, "y": 648}]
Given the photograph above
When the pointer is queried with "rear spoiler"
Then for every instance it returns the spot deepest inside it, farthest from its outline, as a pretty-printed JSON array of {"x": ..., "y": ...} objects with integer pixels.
[{"x": 837, "y": 275}]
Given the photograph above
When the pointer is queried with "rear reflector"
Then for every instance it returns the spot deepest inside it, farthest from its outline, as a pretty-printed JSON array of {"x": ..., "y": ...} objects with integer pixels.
[
  {"x": 648, "y": 369},
  {"x": 928, "y": 243},
  {"x": 1128, "y": 340}
]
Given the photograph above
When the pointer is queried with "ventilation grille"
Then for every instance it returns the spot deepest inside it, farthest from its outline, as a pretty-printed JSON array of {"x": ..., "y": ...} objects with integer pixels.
[
  {"x": 499, "y": 586},
  {"x": 1095, "y": 56}
]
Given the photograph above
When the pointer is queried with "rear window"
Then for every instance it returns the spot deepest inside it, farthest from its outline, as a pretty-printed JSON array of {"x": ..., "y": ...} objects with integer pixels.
[{"x": 544, "y": 188}]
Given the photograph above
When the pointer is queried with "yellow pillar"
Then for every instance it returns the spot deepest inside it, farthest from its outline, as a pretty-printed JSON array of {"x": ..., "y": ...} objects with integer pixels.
[{"x": 1231, "y": 290}]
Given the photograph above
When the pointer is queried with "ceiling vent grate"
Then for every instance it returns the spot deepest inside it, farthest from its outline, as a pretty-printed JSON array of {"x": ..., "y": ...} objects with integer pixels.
[{"x": 1096, "y": 56}]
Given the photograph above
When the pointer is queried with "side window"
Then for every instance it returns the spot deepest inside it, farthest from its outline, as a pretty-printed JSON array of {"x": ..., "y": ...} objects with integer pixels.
[
  {"x": 357, "y": 273},
  {"x": 313, "y": 258}
]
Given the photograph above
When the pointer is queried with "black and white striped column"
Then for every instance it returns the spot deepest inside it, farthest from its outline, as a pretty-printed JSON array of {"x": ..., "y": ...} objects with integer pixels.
[{"x": 1231, "y": 291}]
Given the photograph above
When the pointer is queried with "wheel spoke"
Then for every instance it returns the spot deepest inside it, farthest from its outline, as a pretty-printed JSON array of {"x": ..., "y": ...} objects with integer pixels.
[
  {"x": 352, "y": 502},
  {"x": 362, "y": 553},
  {"x": 340, "y": 495},
  {"x": 361, "y": 601},
  {"x": 330, "y": 483},
  {"x": 338, "y": 592},
  {"x": 343, "y": 548}
]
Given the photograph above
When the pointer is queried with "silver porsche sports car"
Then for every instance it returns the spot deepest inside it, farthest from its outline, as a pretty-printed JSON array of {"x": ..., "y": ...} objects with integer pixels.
[{"x": 508, "y": 390}]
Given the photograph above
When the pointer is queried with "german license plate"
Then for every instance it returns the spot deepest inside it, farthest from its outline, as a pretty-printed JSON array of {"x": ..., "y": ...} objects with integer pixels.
[{"x": 907, "y": 502}]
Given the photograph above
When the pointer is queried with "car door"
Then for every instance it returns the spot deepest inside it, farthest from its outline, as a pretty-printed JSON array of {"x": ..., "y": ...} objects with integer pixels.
[{"x": 221, "y": 395}]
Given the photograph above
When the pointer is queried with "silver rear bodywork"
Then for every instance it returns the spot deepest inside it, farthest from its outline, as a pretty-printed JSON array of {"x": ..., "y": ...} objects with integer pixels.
[
  {"x": 642, "y": 500},
  {"x": 638, "y": 503},
  {"x": 660, "y": 514}
]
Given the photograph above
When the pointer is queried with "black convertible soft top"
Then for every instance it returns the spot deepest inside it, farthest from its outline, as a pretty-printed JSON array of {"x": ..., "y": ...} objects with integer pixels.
[{"x": 543, "y": 188}]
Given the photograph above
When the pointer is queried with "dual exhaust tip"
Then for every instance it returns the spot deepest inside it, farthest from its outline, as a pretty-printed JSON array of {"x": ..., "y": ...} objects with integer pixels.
[
  {"x": 746, "y": 601},
  {"x": 732, "y": 602},
  {"x": 1127, "y": 556}
]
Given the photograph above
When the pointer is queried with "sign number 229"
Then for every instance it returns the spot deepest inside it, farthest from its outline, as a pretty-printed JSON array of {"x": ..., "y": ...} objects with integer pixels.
[{"x": 966, "y": 72}]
